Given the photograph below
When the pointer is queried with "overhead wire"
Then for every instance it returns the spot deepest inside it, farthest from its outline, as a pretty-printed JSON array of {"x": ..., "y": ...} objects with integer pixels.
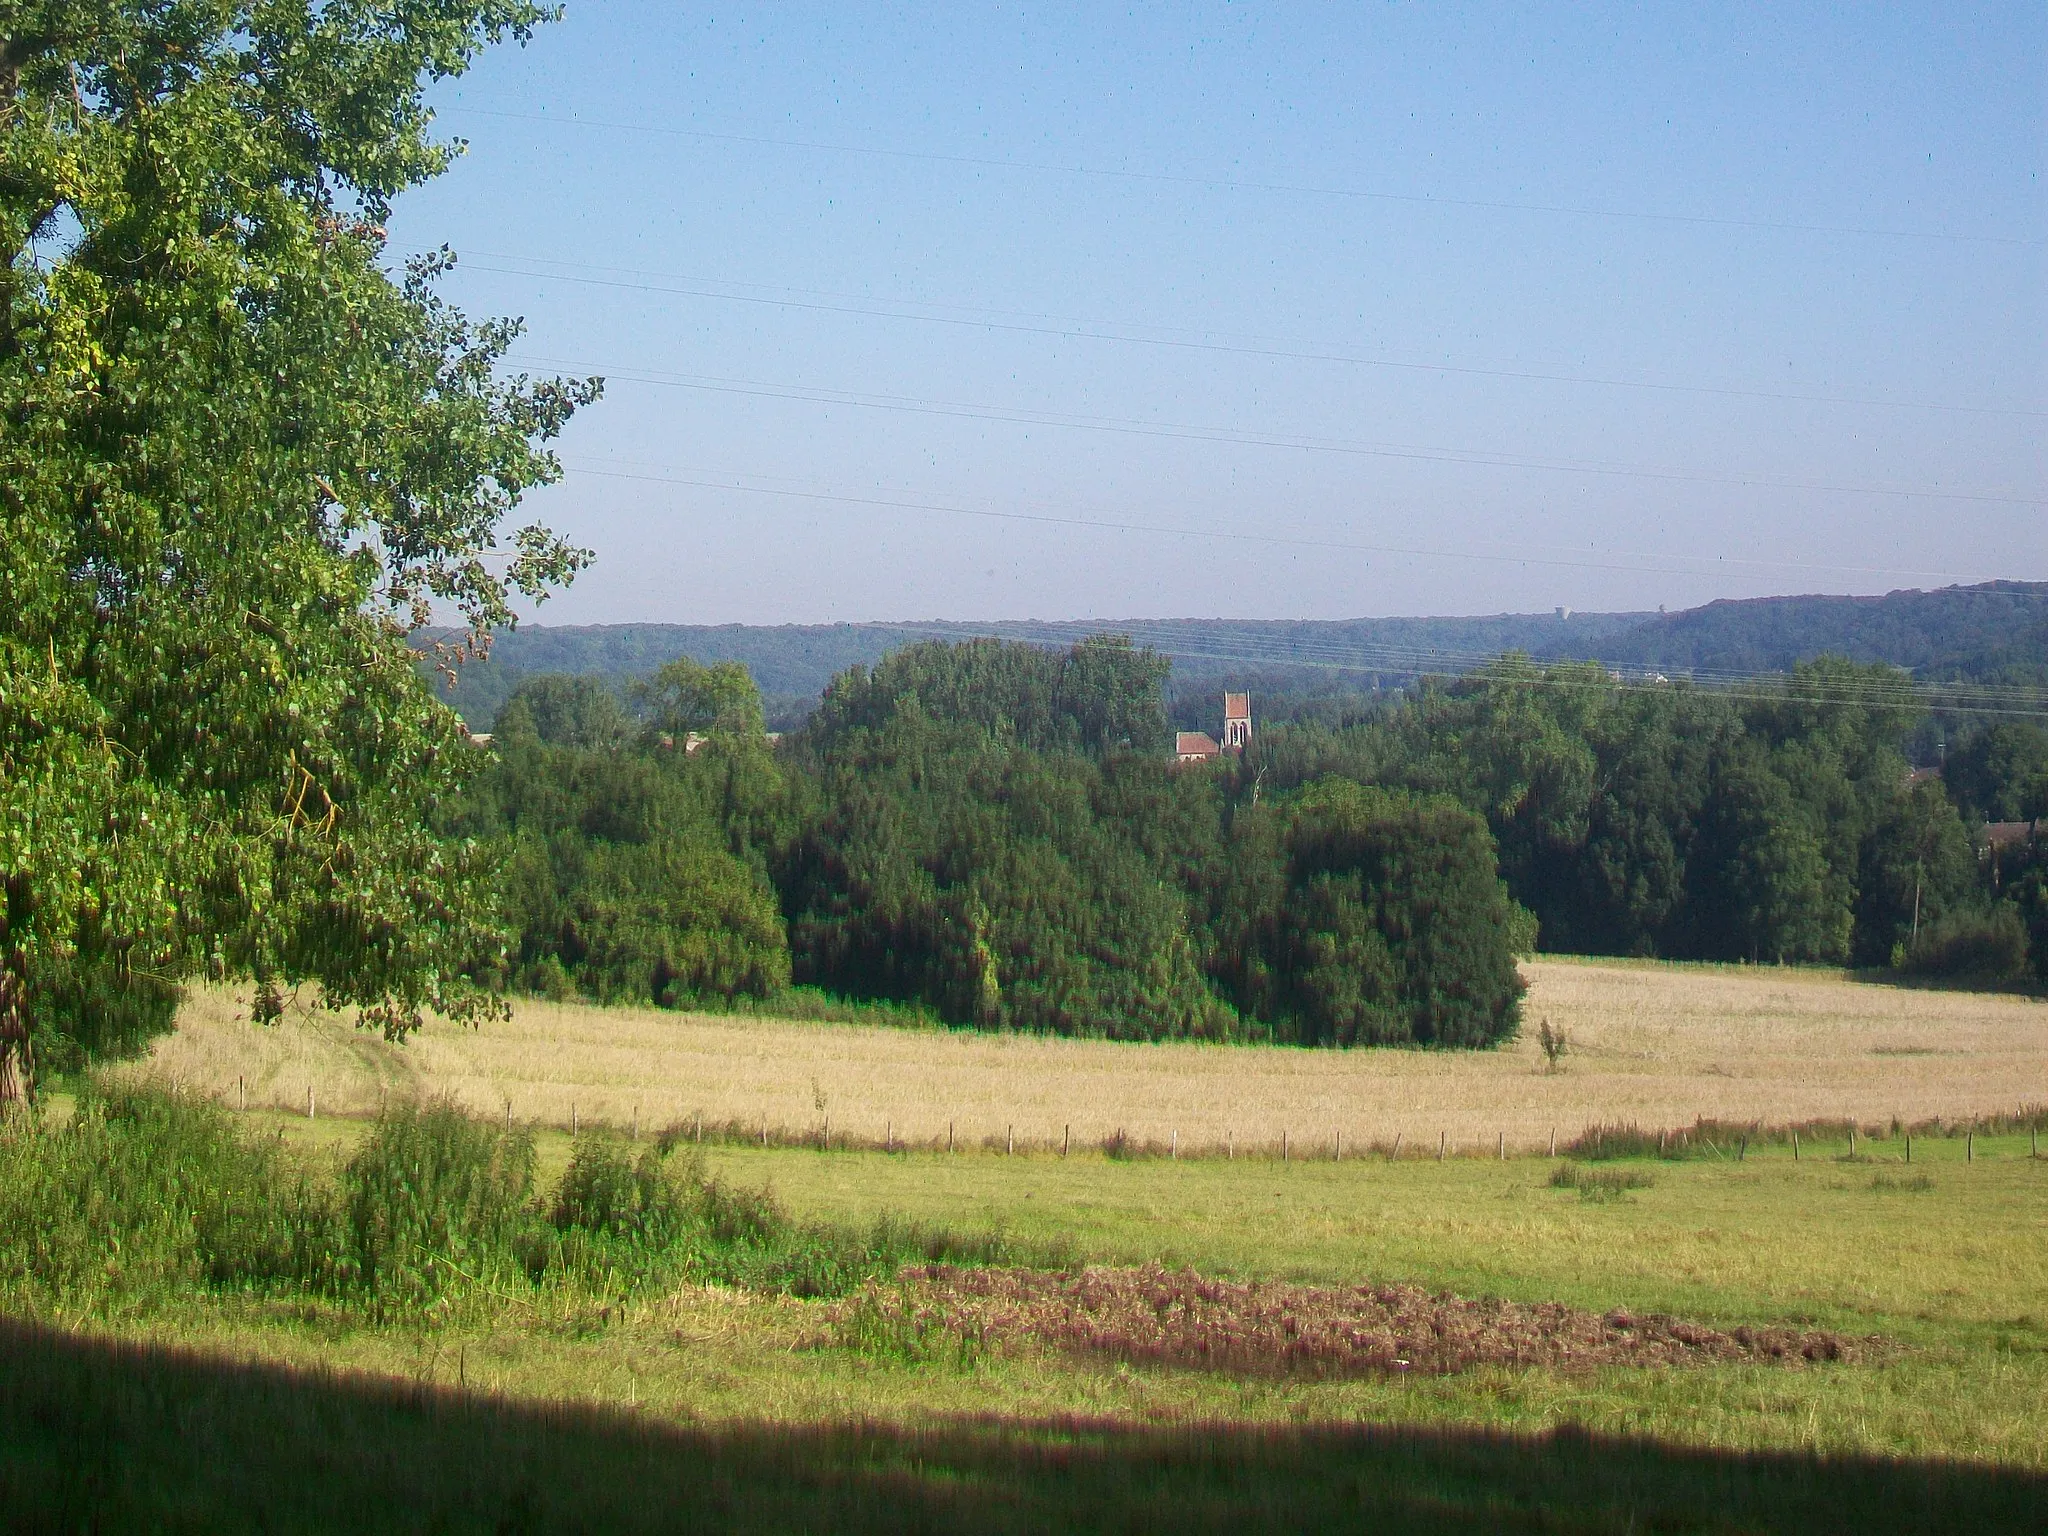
[
  {"x": 1279, "y": 351},
  {"x": 1232, "y": 184},
  {"x": 1555, "y": 673},
  {"x": 1182, "y": 432},
  {"x": 1231, "y": 535}
]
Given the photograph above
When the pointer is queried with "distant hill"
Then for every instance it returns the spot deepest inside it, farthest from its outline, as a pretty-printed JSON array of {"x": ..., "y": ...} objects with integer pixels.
[
  {"x": 1996, "y": 632},
  {"x": 1955, "y": 632}
]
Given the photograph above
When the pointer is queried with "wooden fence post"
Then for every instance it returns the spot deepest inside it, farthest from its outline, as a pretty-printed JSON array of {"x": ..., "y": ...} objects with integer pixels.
[
  {"x": 1283, "y": 1146},
  {"x": 1553, "y": 1141},
  {"x": 1440, "y": 1137},
  {"x": 1395, "y": 1155},
  {"x": 309, "y": 1101},
  {"x": 1503, "y": 1146},
  {"x": 1066, "y": 1136}
]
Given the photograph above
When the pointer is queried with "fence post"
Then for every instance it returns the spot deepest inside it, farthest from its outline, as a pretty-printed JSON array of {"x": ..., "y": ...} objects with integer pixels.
[
  {"x": 1395, "y": 1155},
  {"x": 700, "y": 1127},
  {"x": 1969, "y": 1146},
  {"x": 1009, "y": 1140},
  {"x": 1909, "y": 1146},
  {"x": 1283, "y": 1146},
  {"x": 1795, "y": 1146},
  {"x": 1440, "y": 1136},
  {"x": 1852, "y": 1141},
  {"x": 242, "y": 1094},
  {"x": 1553, "y": 1141},
  {"x": 636, "y": 1122},
  {"x": 1173, "y": 1145},
  {"x": 949, "y": 1135},
  {"x": 572, "y": 1117},
  {"x": 1503, "y": 1146},
  {"x": 309, "y": 1101}
]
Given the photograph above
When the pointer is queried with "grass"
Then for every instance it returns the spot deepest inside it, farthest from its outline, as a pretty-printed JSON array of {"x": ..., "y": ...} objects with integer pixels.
[
  {"x": 721, "y": 1396},
  {"x": 1653, "y": 1045}
]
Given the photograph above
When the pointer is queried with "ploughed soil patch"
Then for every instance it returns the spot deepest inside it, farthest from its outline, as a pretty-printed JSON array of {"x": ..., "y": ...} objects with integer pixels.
[{"x": 1152, "y": 1315}]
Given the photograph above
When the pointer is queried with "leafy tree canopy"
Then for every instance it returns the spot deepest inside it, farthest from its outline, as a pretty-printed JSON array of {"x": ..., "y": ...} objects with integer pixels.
[{"x": 239, "y": 461}]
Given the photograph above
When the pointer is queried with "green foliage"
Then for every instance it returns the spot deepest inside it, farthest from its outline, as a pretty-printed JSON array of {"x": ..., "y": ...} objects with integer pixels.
[
  {"x": 432, "y": 1197},
  {"x": 2001, "y": 773},
  {"x": 146, "y": 1191},
  {"x": 240, "y": 459},
  {"x": 1381, "y": 922},
  {"x": 148, "y": 1194},
  {"x": 1003, "y": 887},
  {"x": 1979, "y": 943},
  {"x": 1775, "y": 824},
  {"x": 562, "y": 711},
  {"x": 633, "y": 871},
  {"x": 1101, "y": 696},
  {"x": 686, "y": 699}
]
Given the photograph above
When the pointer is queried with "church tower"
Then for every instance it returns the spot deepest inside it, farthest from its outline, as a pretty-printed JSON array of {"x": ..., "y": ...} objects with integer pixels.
[{"x": 1237, "y": 721}]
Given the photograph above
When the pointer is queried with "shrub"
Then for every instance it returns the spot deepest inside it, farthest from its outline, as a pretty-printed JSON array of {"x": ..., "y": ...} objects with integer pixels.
[
  {"x": 432, "y": 1195},
  {"x": 1986, "y": 944},
  {"x": 1599, "y": 1183}
]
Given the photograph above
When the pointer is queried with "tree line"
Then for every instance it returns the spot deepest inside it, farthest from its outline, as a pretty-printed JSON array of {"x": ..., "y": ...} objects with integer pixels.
[{"x": 996, "y": 832}]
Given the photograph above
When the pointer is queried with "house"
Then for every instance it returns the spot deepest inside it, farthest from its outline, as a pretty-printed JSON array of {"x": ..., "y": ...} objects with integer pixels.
[{"x": 1200, "y": 746}]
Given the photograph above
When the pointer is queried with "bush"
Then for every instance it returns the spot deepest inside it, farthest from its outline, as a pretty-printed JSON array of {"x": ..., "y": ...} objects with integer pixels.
[
  {"x": 145, "y": 1190},
  {"x": 433, "y": 1195},
  {"x": 1979, "y": 945}
]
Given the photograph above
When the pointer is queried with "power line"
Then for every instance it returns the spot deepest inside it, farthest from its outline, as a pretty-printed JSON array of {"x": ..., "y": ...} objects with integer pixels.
[
  {"x": 1187, "y": 433},
  {"x": 1122, "y": 526},
  {"x": 1222, "y": 184},
  {"x": 816, "y": 303},
  {"x": 1949, "y": 698}
]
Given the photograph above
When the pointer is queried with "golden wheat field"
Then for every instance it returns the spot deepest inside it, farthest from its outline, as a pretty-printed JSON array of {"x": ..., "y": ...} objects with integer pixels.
[{"x": 1653, "y": 1044}]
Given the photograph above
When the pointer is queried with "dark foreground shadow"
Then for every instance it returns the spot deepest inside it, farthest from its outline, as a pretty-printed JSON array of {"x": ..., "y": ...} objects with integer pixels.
[{"x": 100, "y": 1436}]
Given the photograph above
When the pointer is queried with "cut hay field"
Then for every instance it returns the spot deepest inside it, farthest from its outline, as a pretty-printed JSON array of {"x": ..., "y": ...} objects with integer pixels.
[{"x": 1657, "y": 1045}]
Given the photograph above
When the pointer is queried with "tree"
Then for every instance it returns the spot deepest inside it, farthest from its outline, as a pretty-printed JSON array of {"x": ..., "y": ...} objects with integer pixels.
[
  {"x": 239, "y": 461},
  {"x": 687, "y": 698},
  {"x": 1382, "y": 921}
]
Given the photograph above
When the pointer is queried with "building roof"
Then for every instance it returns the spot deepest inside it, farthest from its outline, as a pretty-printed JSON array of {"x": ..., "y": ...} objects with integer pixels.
[
  {"x": 1237, "y": 706},
  {"x": 2007, "y": 834},
  {"x": 1194, "y": 744}
]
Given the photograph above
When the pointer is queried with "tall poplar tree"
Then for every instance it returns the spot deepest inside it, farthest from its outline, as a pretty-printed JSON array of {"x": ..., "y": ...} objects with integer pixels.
[{"x": 243, "y": 452}]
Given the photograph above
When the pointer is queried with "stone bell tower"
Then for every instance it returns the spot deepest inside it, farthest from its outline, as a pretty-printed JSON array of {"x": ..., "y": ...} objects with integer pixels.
[{"x": 1237, "y": 721}]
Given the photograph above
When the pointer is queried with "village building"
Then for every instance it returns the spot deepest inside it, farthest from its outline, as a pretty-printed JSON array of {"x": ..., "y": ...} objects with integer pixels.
[{"x": 1200, "y": 746}]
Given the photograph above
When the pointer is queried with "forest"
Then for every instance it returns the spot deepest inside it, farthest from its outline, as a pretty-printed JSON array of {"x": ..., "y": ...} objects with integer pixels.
[{"x": 994, "y": 833}]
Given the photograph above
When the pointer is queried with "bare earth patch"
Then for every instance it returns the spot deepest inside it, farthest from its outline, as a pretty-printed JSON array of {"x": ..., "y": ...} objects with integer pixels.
[{"x": 1155, "y": 1316}]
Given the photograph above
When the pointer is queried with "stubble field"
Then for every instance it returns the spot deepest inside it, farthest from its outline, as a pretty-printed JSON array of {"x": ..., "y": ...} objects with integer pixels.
[{"x": 1653, "y": 1045}]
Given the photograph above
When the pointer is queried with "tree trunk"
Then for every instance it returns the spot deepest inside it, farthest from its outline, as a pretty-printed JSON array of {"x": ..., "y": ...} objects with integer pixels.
[{"x": 17, "y": 1063}]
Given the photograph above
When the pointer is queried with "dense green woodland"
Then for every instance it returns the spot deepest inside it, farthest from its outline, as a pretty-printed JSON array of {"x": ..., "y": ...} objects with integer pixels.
[{"x": 995, "y": 832}]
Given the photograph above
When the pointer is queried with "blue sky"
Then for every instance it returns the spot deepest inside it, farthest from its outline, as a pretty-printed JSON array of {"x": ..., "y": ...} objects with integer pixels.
[{"x": 1269, "y": 311}]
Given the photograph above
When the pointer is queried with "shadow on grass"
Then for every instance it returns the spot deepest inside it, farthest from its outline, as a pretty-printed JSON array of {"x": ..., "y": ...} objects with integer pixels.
[{"x": 99, "y": 1435}]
